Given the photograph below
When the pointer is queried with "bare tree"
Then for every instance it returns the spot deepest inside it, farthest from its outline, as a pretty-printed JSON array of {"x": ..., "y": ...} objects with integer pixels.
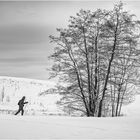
[
  {"x": 91, "y": 54},
  {"x": 121, "y": 34}
]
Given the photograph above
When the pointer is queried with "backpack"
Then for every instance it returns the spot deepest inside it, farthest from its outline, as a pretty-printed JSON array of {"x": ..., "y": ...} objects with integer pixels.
[{"x": 19, "y": 102}]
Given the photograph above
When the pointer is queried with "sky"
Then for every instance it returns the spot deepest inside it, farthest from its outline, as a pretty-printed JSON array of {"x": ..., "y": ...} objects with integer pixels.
[{"x": 25, "y": 27}]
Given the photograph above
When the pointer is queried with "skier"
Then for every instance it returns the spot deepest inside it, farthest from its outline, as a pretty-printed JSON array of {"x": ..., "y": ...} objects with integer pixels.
[{"x": 21, "y": 105}]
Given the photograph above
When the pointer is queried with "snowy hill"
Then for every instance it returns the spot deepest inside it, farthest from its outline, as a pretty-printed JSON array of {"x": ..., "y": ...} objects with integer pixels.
[
  {"x": 132, "y": 109},
  {"x": 50, "y": 127},
  {"x": 12, "y": 89},
  {"x": 56, "y": 127}
]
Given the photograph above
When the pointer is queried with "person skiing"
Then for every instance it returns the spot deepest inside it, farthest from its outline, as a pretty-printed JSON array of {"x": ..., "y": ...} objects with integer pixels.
[{"x": 21, "y": 105}]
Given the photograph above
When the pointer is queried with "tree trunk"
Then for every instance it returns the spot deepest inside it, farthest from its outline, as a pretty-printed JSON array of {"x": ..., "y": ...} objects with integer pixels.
[
  {"x": 108, "y": 70},
  {"x": 118, "y": 100}
]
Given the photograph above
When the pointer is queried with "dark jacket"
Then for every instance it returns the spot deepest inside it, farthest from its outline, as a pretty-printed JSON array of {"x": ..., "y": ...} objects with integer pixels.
[{"x": 21, "y": 103}]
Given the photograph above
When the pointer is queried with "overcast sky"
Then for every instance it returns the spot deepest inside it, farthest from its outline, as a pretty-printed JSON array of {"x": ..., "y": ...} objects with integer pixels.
[{"x": 25, "y": 27}]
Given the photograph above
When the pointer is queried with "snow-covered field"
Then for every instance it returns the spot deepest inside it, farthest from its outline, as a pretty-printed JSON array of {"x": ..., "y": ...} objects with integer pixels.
[
  {"x": 57, "y": 127},
  {"x": 33, "y": 127},
  {"x": 52, "y": 126}
]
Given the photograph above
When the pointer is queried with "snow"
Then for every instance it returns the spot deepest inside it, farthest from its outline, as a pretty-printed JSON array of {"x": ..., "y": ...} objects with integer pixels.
[
  {"x": 53, "y": 126},
  {"x": 39, "y": 127},
  {"x": 60, "y": 127},
  {"x": 13, "y": 89},
  {"x": 132, "y": 109}
]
